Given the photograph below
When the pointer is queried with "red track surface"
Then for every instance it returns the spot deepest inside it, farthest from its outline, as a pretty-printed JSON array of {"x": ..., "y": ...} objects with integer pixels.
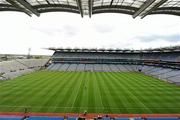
[{"x": 88, "y": 116}]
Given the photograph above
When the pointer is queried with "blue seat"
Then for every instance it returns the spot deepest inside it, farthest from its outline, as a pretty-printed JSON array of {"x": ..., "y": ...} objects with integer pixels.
[
  {"x": 106, "y": 118},
  {"x": 45, "y": 118},
  {"x": 121, "y": 118},
  {"x": 72, "y": 118},
  {"x": 162, "y": 118},
  {"x": 137, "y": 119},
  {"x": 11, "y": 118}
]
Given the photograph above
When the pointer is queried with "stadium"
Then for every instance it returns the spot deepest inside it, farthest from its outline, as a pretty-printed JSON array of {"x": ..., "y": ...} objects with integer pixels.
[{"x": 92, "y": 83}]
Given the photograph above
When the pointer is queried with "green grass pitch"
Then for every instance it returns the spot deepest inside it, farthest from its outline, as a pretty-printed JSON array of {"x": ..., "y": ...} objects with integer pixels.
[{"x": 95, "y": 92}]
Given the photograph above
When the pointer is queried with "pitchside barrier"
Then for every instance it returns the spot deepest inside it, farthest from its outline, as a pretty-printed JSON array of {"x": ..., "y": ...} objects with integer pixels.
[
  {"x": 69, "y": 111},
  {"x": 54, "y": 109}
]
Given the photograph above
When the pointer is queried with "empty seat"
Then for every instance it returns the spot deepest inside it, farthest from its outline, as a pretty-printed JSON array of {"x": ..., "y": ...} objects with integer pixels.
[
  {"x": 72, "y": 118},
  {"x": 137, "y": 119},
  {"x": 106, "y": 118}
]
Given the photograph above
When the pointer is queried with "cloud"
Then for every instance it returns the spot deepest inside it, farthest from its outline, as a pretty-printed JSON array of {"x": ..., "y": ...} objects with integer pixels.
[
  {"x": 151, "y": 38},
  {"x": 47, "y": 30},
  {"x": 66, "y": 30},
  {"x": 104, "y": 28},
  {"x": 70, "y": 30}
]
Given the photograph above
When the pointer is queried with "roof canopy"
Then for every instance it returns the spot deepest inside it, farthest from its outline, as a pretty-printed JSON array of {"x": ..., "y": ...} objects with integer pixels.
[
  {"x": 89, "y": 7},
  {"x": 155, "y": 50}
]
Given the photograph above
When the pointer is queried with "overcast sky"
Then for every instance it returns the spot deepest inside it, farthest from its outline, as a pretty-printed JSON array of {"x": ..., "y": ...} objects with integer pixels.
[{"x": 18, "y": 32}]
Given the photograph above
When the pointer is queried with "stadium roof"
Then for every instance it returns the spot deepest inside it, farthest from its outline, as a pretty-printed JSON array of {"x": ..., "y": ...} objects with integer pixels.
[
  {"x": 135, "y": 8},
  {"x": 155, "y": 50}
]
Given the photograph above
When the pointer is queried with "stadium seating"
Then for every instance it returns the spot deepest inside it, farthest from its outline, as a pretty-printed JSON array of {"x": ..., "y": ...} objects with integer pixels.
[
  {"x": 115, "y": 62},
  {"x": 91, "y": 67},
  {"x": 17, "y": 67},
  {"x": 33, "y": 62},
  {"x": 167, "y": 74},
  {"x": 11, "y": 75},
  {"x": 121, "y": 118},
  {"x": 162, "y": 56},
  {"x": 45, "y": 118},
  {"x": 172, "y": 56},
  {"x": 72, "y": 118},
  {"x": 10, "y": 118},
  {"x": 106, "y": 118},
  {"x": 76, "y": 118},
  {"x": 137, "y": 119},
  {"x": 162, "y": 119},
  {"x": 94, "y": 56}
]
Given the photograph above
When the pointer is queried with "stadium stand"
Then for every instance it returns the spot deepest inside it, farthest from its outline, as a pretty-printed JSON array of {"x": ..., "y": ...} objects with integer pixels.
[
  {"x": 72, "y": 118},
  {"x": 121, "y": 119},
  {"x": 33, "y": 63},
  {"x": 11, "y": 118},
  {"x": 106, "y": 118},
  {"x": 162, "y": 119},
  {"x": 160, "y": 63},
  {"x": 17, "y": 67},
  {"x": 137, "y": 119},
  {"x": 45, "y": 118}
]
